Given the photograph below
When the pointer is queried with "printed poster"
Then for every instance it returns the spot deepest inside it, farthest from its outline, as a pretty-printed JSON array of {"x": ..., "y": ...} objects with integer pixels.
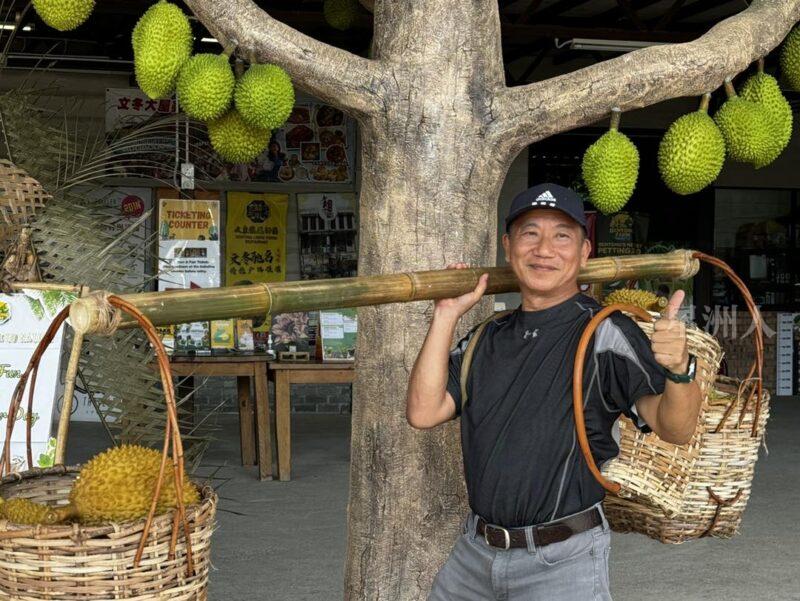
[
  {"x": 128, "y": 209},
  {"x": 127, "y": 110},
  {"x": 188, "y": 244},
  {"x": 338, "y": 330},
  {"x": 327, "y": 228},
  {"x": 317, "y": 144},
  {"x": 24, "y": 318},
  {"x": 255, "y": 238}
]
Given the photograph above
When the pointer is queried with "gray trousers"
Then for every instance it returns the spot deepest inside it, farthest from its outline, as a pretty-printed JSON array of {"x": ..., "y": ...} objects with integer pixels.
[{"x": 573, "y": 570}]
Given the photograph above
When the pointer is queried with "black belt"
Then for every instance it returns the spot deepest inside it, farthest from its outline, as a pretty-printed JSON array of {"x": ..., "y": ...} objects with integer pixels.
[{"x": 545, "y": 534}]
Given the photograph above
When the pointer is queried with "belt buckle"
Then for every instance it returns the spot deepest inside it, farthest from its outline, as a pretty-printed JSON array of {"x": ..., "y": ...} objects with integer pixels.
[{"x": 506, "y": 535}]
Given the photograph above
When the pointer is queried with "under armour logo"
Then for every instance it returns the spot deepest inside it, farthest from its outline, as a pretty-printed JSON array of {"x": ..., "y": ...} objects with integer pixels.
[
  {"x": 546, "y": 198},
  {"x": 531, "y": 334}
]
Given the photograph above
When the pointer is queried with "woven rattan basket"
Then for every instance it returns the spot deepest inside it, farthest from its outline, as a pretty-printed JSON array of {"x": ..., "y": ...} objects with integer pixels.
[
  {"x": 95, "y": 562},
  {"x": 654, "y": 472},
  {"x": 717, "y": 483},
  {"x": 674, "y": 493},
  {"x": 165, "y": 557}
]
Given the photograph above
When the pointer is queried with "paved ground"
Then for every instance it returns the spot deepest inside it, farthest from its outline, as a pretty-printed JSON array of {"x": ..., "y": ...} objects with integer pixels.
[{"x": 262, "y": 550}]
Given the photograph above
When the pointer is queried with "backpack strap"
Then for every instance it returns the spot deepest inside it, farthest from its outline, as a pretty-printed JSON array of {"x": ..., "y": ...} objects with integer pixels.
[{"x": 466, "y": 360}]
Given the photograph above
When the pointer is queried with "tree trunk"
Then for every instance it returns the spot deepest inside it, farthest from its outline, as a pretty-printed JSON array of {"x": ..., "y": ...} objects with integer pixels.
[
  {"x": 418, "y": 210},
  {"x": 428, "y": 198}
]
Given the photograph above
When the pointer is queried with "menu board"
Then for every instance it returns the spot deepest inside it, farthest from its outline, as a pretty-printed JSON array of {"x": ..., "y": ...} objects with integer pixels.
[{"x": 338, "y": 330}]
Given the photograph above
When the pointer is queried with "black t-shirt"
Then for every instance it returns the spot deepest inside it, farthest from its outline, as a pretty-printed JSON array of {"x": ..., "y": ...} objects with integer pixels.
[{"x": 522, "y": 461}]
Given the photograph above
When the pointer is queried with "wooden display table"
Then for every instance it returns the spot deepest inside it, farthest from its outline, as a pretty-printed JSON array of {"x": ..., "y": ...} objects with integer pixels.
[
  {"x": 286, "y": 374},
  {"x": 252, "y": 432}
]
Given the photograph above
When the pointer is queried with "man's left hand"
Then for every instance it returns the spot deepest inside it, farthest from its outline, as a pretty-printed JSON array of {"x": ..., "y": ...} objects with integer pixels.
[{"x": 669, "y": 337}]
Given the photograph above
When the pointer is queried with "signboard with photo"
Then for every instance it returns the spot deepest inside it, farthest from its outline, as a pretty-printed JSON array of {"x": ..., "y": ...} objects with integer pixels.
[
  {"x": 24, "y": 318},
  {"x": 327, "y": 229},
  {"x": 298, "y": 330},
  {"x": 317, "y": 144},
  {"x": 338, "y": 334}
]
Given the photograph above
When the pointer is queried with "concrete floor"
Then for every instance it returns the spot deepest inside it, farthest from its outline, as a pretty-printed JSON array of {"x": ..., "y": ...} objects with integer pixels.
[{"x": 263, "y": 550}]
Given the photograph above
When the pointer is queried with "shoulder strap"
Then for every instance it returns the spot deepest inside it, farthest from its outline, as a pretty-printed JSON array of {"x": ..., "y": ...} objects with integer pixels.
[{"x": 466, "y": 360}]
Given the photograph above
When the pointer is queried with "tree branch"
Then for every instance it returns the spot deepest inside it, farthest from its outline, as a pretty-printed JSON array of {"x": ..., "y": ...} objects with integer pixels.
[
  {"x": 524, "y": 114},
  {"x": 336, "y": 76}
]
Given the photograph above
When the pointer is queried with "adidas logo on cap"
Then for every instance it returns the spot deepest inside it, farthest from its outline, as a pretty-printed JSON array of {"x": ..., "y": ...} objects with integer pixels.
[{"x": 546, "y": 199}]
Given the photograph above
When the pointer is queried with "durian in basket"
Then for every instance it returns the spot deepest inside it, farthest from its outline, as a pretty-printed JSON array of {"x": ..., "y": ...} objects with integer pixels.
[{"x": 115, "y": 485}]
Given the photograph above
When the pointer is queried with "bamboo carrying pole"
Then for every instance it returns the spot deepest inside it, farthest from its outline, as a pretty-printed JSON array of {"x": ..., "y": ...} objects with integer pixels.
[
  {"x": 69, "y": 390},
  {"x": 256, "y": 300}
]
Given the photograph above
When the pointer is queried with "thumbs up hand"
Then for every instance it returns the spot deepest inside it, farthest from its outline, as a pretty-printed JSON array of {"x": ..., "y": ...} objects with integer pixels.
[{"x": 669, "y": 337}]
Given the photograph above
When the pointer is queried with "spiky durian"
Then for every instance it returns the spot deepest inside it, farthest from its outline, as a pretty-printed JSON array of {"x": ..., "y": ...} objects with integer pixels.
[
  {"x": 162, "y": 43},
  {"x": 763, "y": 89},
  {"x": 205, "y": 86},
  {"x": 610, "y": 168},
  {"x": 264, "y": 96},
  {"x": 24, "y": 511},
  {"x": 745, "y": 127},
  {"x": 235, "y": 140},
  {"x": 63, "y": 15},
  {"x": 692, "y": 152},
  {"x": 634, "y": 296},
  {"x": 790, "y": 59},
  {"x": 340, "y": 14},
  {"x": 118, "y": 485}
]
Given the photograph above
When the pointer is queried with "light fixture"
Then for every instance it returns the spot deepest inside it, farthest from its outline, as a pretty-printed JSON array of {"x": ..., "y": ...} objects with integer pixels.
[
  {"x": 12, "y": 27},
  {"x": 209, "y": 40},
  {"x": 606, "y": 45}
]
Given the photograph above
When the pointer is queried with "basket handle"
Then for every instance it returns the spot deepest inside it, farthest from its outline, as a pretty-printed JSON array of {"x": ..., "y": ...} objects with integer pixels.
[
  {"x": 577, "y": 386},
  {"x": 171, "y": 433},
  {"x": 757, "y": 368}
]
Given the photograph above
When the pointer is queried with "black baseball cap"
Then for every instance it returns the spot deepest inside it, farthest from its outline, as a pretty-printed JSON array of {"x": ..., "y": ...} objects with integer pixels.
[{"x": 547, "y": 196}]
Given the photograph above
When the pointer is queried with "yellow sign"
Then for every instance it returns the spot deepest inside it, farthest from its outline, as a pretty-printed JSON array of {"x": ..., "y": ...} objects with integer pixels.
[
  {"x": 185, "y": 219},
  {"x": 255, "y": 238}
]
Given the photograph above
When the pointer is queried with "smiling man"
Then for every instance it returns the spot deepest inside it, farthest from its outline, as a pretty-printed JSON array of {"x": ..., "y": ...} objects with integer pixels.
[{"x": 536, "y": 528}]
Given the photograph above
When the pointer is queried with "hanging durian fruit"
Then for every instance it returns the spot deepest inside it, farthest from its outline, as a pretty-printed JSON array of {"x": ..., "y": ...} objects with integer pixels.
[
  {"x": 264, "y": 96},
  {"x": 63, "y": 15},
  {"x": 24, "y": 511},
  {"x": 634, "y": 296},
  {"x": 746, "y": 128},
  {"x": 692, "y": 151},
  {"x": 205, "y": 86},
  {"x": 118, "y": 485},
  {"x": 610, "y": 168},
  {"x": 340, "y": 14},
  {"x": 162, "y": 43},
  {"x": 235, "y": 140},
  {"x": 763, "y": 89},
  {"x": 790, "y": 59}
]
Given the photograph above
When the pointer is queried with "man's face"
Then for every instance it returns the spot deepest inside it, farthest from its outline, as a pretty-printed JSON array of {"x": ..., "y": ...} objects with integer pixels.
[{"x": 546, "y": 249}]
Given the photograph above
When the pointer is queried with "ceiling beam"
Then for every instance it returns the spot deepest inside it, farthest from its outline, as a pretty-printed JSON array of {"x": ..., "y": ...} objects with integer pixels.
[
  {"x": 631, "y": 14},
  {"x": 701, "y": 6},
  {"x": 618, "y": 12},
  {"x": 527, "y": 13},
  {"x": 558, "y": 9},
  {"x": 526, "y": 74},
  {"x": 668, "y": 16}
]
